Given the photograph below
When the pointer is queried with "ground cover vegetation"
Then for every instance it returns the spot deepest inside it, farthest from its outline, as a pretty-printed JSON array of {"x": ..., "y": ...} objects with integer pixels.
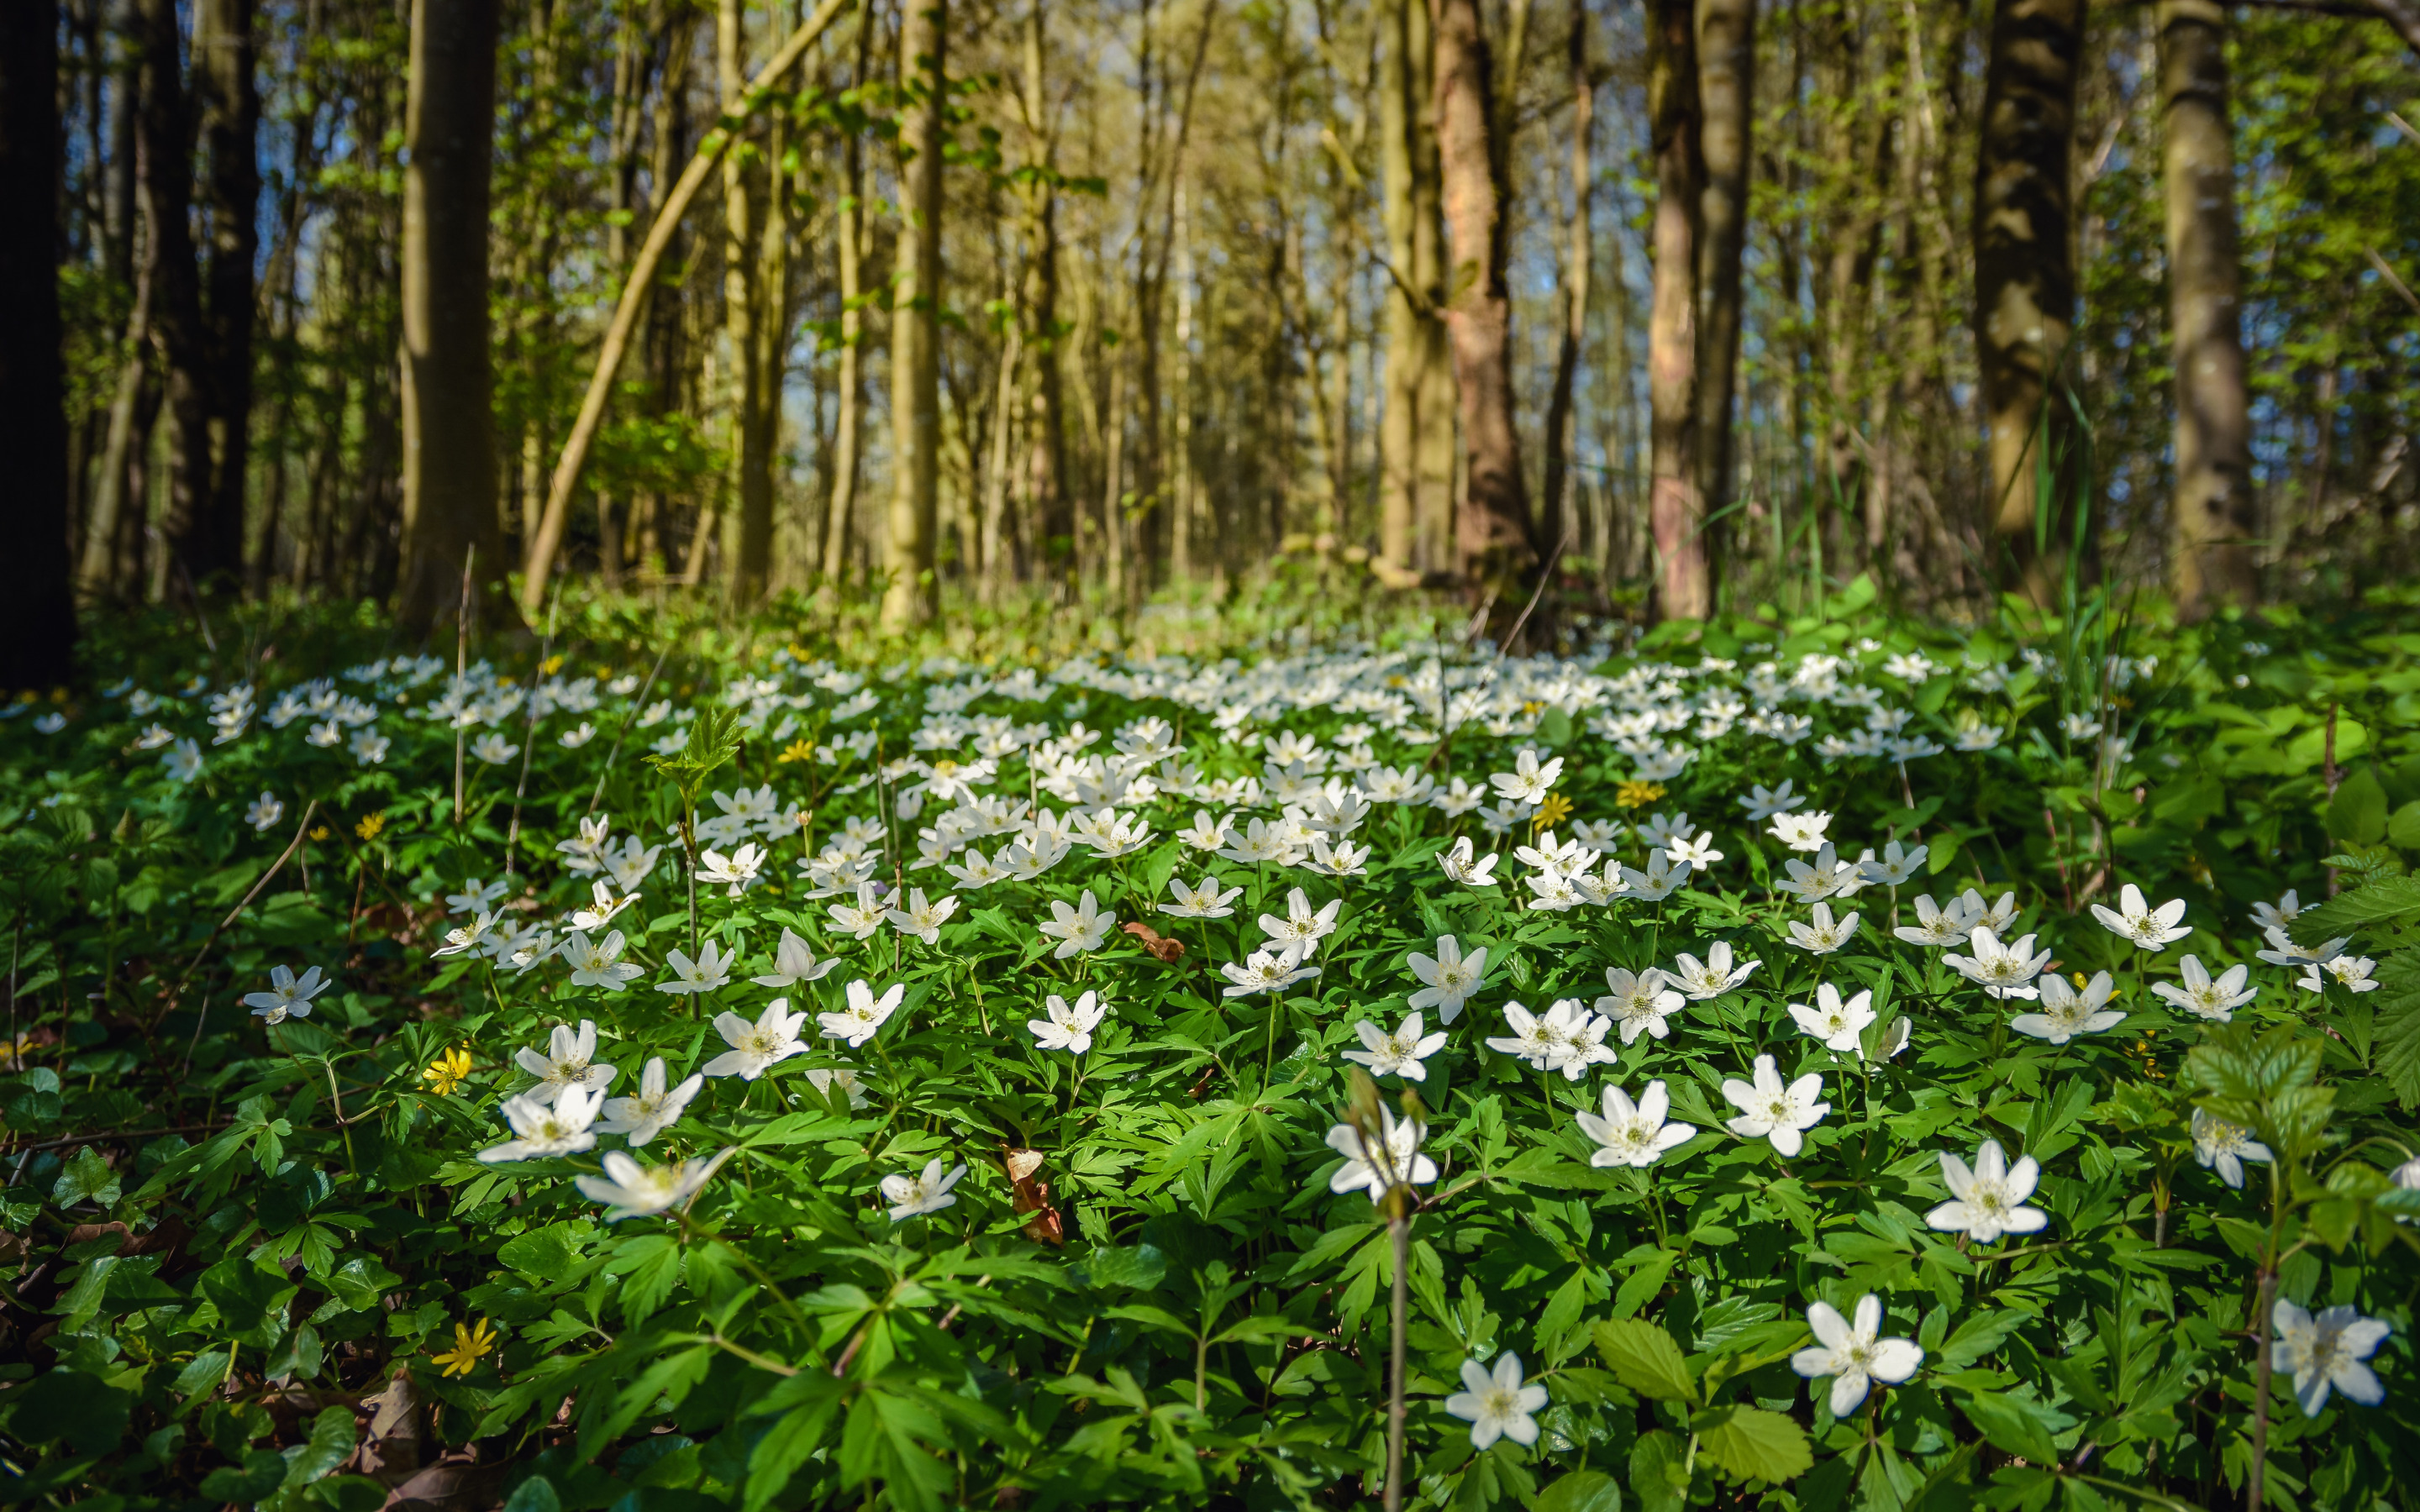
[{"x": 1803, "y": 1063}]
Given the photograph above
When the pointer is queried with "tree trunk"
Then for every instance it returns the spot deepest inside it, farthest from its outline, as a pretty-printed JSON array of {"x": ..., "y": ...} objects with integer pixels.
[
  {"x": 1726, "y": 39},
  {"x": 449, "y": 442},
  {"x": 38, "y": 629},
  {"x": 1557, "y": 521},
  {"x": 1050, "y": 500},
  {"x": 2025, "y": 279},
  {"x": 2210, "y": 554},
  {"x": 1401, "y": 110},
  {"x": 912, "y": 595},
  {"x": 748, "y": 550},
  {"x": 850, "y": 396},
  {"x": 1676, "y": 510},
  {"x": 1493, "y": 549},
  {"x": 228, "y": 103},
  {"x": 164, "y": 170}
]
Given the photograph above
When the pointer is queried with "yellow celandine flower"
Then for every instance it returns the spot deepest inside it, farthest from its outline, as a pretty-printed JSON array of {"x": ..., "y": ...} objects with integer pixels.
[
  {"x": 470, "y": 1346},
  {"x": 1638, "y": 794},
  {"x": 553, "y": 664},
  {"x": 447, "y": 1071},
  {"x": 1553, "y": 811},
  {"x": 370, "y": 825},
  {"x": 319, "y": 832},
  {"x": 797, "y": 751}
]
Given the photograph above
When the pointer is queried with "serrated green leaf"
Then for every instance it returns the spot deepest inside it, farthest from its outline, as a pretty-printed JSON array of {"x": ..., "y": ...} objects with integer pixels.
[
  {"x": 2010, "y": 1426},
  {"x": 1750, "y": 1443},
  {"x": 1646, "y": 1360},
  {"x": 1582, "y": 1490},
  {"x": 2387, "y": 900}
]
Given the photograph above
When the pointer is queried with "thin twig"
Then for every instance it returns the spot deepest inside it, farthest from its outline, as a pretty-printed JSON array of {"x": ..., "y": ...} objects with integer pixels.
[
  {"x": 628, "y": 714},
  {"x": 301, "y": 832}
]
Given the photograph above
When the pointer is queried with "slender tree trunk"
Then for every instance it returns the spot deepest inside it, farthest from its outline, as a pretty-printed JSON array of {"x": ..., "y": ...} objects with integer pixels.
[
  {"x": 1493, "y": 549},
  {"x": 849, "y": 398},
  {"x": 1562, "y": 430},
  {"x": 748, "y": 550},
  {"x": 1676, "y": 510},
  {"x": 1436, "y": 450},
  {"x": 38, "y": 628},
  {"x": 1400, "y": 124},
  {"x": 2024, "y": 278},
  {"x": 1050, "y": 500},
  {"x": 2209, "y": 555},
  {"x": 1181, "y": 485},
  {"x": 448, "y": 440},
  {"x": 913, "y": 593},
  {"x": 228, "y": 103},
  {"x": 163, "y": 154},
  {"x": 1727, "y": 99}
]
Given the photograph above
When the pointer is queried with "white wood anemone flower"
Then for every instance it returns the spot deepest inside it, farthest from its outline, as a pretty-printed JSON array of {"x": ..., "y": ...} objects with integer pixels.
[
  {"x": 1853, "y": 1355},
  {"x": 1497, "y": 1404}
]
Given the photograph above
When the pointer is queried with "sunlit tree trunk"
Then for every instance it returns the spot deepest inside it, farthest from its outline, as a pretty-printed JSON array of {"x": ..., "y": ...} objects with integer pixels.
[
  {"x": 1675, "y": 509},
  {"x": 2024, "y": 278},
  {"x": 1398, "y": 113},
  {"x": 38, "y": 626},
  {"x": 912, "y": 595},
  {"x": 848, "y": 401},
  {"x": 747, "y": 292},
  {"x": 1052, "y": 540},
  {"x": 449, "y": 443},
  {"x": 1493, "y": 549},
  {"x": 2211, "y": 517},
  {"x": 1555, "y": 522},
  {"x": 1727, "y": 96}
]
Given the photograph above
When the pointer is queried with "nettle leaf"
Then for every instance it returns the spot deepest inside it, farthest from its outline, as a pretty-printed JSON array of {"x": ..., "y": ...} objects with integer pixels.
[
  {"x": 1750, "y": 1443},
  {"x": 1644, "y": 1358},
  {"x": 2385, "y": 900}
]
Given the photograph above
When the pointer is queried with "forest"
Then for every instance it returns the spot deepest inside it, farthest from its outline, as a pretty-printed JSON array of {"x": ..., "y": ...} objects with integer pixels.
[
  {"x": 767, "y": 755},
  {"x": 1662, "y": 307}
]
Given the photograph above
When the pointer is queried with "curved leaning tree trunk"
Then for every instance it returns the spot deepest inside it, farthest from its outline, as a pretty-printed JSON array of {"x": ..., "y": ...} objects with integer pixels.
[
  {"x": 2025, "y": 283},
  {"x": 547, "y": 543},
  {"x": 1493, "y": 549},
  {"x": 2211, "y": 522}
]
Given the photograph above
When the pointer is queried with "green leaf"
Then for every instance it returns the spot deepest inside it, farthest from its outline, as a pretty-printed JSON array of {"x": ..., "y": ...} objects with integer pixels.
[
  {"x": 2388, "y": 900},
  {"x": 2011, "y": 1426},
  {"x": 2358, "y": 810},
  {"x": 85, "y": 1179},
  {"x": 262, "y": 1472},
  {"x": 1659, "y": 1471},
  {"x": 245, "y": 1295},
  {"x": 1644, "y": 1358},
  {"x": 1582, "y": 1490},
  {"x": 88, "y": 1413},
  {"x": 536, "y": 1494},
  {"x": 1140, "y": 1266},
  {"x": 1752, "y": 1444},
  {"x": 2395, "y": 1034},
  {"x": 2403, "y": 826},
  {"x": 545, "y": 1253},
  {"x": 329, "y": 1444},
  {"x": 1644, "y": 1281}
]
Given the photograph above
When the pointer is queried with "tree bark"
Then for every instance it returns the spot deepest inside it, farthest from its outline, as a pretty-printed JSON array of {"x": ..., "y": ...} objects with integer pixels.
[
  {"x": 2025, "y": 281},
  {"x": 1049, "y": 500},
  {"x": 164, "y": 175},
  {"x": 228, "y": 103},
  {"x": 912, "y": 595},
  {"x": 850, "y": 396},
  {"x": 1676, "y": 510},
  {"x": 449, "y": 440},
  {"x": 38, "y": 628},
  {"x": 748, "y": 550},
  {"x": 1494, "y": 552},
  {"x": 2211, "y": 523},
  {"x": 1561, "y": 432},
  {"x": 1726, "y": 38},
  {"x": 1400, "y": 112}
]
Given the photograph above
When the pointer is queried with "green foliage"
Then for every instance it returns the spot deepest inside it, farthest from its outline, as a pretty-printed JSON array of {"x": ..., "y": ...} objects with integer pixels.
[{"x": 264, "y": 1263}]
